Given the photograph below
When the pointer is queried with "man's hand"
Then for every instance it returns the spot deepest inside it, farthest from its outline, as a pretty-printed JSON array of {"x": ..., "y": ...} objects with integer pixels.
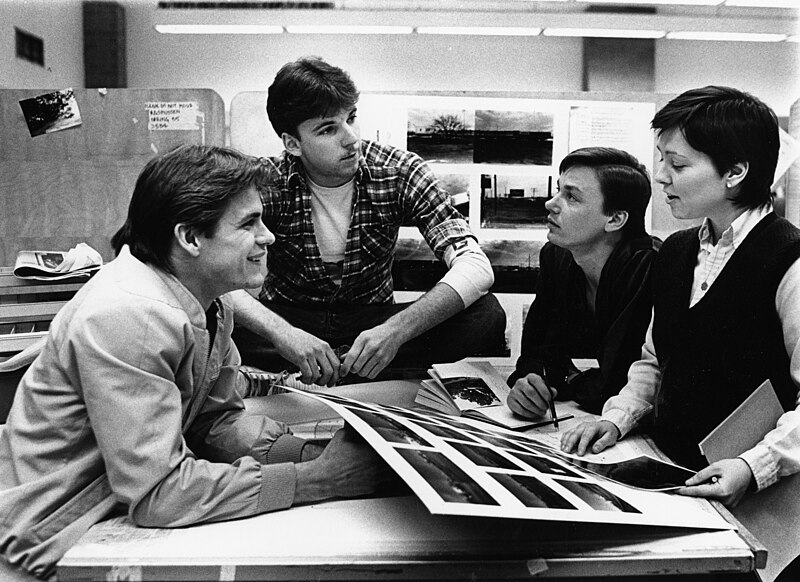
[
  {"x": 315, "y": 358},
  {"x": 372, "y": 351},
  {"x": 530, "y": 397},
  {"x": 726, "y": 480},
  {"x": 347, "y": 467},
  {"x": 600, "y": 434}
]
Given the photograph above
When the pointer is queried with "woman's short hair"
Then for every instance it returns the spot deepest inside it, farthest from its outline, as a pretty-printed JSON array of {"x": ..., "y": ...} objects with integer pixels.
[
  {"x": 624, "y": 183},
  {"x": 192, "y": 185},
  {"x": 730, "y": 127},
  {"x": 305, "y": 89}
]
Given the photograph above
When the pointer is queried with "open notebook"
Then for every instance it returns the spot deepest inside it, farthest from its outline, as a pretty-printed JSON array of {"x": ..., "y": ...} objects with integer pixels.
[{"x": 473, "y": 390}]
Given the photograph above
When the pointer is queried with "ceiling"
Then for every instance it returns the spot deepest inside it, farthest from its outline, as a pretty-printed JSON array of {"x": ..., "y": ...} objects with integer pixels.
[{"x": 414, "y": 15}]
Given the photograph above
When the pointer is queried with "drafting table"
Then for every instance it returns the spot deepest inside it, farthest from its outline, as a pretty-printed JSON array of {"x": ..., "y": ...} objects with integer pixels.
[{"x": 396, "y": 538}]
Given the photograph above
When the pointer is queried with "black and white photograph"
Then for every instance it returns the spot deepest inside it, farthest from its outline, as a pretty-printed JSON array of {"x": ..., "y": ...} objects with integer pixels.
[
  {"x": 447, "y": 480},
  {"x": 513, "y": 137},
  {"x": 544, "y": 464},
  {"x": 461, "y": 188},
  {"x": 444, "y": 430},
  {"x": 642, "y": 472},
  {"x": 51, "y": 112},
  {"x": 442, "y": 136},
  {"x": 483, "y": 456},
  {"x": 450, "y": 475},
  {"x": 515, "y": 201},
  {"x": 399, "y": 289},
  {"x": 532, "y": 492},
  {"x": 388, "y": 428},
  {"x": 599, "y": 498}
]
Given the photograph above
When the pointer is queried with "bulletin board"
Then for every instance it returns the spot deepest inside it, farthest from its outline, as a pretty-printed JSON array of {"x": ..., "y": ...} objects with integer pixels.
[
  {"x": 496, "y": 153},
  {"x": 72, "y": 182}
]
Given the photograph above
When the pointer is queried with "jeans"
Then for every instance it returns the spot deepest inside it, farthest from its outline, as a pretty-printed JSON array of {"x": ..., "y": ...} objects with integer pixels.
[{"x": 478, "y": 330}]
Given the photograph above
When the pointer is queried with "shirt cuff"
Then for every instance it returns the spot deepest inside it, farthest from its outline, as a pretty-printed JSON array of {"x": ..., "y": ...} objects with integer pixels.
[
  {"x": 620, "y": 419},
  {"x": 278, "y": 484},
  {"x": 763, "y": 466},
  {"x": 464, "y": 286},
  {"x": 469, "y": 271},
  {"x": 287, "y": 448}
]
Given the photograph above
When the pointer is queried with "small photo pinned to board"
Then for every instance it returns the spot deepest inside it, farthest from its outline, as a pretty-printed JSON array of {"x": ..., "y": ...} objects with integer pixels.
[{"x": 51, "y": 112}]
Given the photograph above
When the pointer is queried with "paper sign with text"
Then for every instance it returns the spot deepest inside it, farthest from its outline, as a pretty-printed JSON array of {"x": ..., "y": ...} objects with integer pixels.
[{"x": 169, "y": 115}]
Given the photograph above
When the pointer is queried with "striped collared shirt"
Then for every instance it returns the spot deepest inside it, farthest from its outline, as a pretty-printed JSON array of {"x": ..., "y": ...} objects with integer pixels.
[{"x": 712, "y": 258}]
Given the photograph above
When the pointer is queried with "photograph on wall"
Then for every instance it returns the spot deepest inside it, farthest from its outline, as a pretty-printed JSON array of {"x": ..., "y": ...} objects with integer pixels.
[
  {"x": 458, "y": 186},
  {"x": 514, "y": 201},
  {"x": 513, "y": 137},
  {"x": 458, "y": 467},
  {"x": 51, "y": 112},
  {"x": 441, "y": 135}
]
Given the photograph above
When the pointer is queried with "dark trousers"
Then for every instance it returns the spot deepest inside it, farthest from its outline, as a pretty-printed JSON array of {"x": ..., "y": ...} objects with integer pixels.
[{"x": 479, "y": 330}]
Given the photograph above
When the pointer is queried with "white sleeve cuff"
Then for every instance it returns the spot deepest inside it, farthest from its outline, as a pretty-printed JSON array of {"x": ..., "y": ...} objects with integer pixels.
[
  {"x": 469, "y": 271},
  {"x": 762, "y": 464}
]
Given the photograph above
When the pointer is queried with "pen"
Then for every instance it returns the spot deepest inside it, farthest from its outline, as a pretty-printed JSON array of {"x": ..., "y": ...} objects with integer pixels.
[{"x": 552, "y": 398}]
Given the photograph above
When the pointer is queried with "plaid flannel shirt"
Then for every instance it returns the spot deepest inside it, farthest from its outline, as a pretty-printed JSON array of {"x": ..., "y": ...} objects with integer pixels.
[{"x": 393, "y": 187}]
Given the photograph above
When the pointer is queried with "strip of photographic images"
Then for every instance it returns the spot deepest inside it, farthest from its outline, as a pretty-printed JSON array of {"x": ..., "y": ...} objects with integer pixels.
[{"x": 456, "y": 467}]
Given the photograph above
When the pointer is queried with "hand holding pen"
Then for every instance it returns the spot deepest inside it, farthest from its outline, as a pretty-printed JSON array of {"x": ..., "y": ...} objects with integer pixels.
[
  {"x": 552, "y": 396},
  {"x": 532, "y": 397}
]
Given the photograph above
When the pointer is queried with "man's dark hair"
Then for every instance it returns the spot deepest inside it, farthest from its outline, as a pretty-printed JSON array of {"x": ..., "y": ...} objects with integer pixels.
[
  {"x": 191, "y": 185},
  {"x": 305, "y": 89},
  {"x": 624, "y": 183},
  {"x": 729, "y": 126}
]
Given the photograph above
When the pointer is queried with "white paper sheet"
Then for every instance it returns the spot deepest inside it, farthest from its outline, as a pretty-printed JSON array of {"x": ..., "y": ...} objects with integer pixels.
[{"x": 460, "y": 468}]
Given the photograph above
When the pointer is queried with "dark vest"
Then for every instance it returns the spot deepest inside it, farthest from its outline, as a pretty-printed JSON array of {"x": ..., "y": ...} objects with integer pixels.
[{"x": 715, "y": 354}]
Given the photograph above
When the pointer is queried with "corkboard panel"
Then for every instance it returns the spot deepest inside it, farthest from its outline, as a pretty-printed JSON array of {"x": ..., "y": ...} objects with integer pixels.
[{"x": 74, "y": 185}]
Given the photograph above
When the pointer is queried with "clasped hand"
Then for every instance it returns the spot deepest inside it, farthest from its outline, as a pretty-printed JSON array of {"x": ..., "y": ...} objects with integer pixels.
[
  {"x": 371, "y": 352},
  {"x": 318, "y": 363}
]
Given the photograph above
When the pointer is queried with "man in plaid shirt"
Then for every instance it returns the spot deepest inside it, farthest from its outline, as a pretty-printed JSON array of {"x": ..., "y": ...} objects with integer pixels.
[{"x": 335, "y": 205}]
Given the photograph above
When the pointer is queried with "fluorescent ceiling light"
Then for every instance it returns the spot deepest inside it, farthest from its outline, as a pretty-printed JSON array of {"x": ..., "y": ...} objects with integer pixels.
[
  {"x": 349, "y": 29},
  {"x": 604, "y": 32},
  {"x": 729, "y": 36},
  {"x": 793, "y": 38},
  {"x": 763, "y": 3},
  {"x": 218, "y": 29},
  {"x": 480, "y": 30},
  {"x": 653, "y": 2}
]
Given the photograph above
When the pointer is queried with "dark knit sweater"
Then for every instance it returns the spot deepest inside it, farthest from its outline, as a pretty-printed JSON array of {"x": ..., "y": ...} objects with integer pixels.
[
  {"x": 714, "y": 354},
  {"x": 560, "y": 325}
]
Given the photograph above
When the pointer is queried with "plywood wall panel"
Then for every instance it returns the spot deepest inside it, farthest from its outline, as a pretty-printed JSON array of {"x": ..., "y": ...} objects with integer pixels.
[{"x": 74, "y": 185}]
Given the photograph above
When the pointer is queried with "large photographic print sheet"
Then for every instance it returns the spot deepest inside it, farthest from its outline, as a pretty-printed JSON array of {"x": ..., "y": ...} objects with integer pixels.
[{"x": 460, "y": 468}]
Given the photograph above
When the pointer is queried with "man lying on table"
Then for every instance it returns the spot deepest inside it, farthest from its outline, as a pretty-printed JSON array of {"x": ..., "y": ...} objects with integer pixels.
[{"x": 132, "y": 403}]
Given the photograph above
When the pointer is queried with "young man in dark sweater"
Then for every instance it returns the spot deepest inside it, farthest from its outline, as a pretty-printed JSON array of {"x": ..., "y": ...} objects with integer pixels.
[
  {"x": 593, "y": 296},
  {"x": 726, "y": 313}
]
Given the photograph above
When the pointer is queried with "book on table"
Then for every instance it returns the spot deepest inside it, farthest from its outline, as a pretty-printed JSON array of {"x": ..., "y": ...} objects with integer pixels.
[{"x": 472, "y": 389}]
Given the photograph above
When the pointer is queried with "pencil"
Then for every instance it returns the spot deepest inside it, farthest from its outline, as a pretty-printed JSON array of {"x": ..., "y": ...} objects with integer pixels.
[{"x": 552, "y": 398}]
